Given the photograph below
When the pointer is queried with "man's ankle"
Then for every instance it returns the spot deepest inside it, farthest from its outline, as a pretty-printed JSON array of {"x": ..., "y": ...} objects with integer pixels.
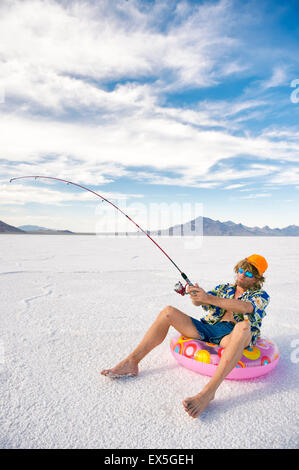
[
  {"x": 210, "y": 389},
  {"x": 134, "y": 359}
]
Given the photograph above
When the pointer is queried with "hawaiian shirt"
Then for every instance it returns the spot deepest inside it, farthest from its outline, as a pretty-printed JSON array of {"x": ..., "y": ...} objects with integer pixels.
[{"x": 257, "y": 297}]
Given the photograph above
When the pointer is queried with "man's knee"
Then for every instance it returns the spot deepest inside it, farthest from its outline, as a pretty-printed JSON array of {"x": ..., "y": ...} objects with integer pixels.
[
  {"x": 168, "y": 312},
  {"x": 242, "y": 329}
]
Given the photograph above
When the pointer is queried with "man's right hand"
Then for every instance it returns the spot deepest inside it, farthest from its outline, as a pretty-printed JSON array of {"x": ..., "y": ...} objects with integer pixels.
[
  {"x": 197, "y": 294},
  {"x": 192, "y": 289}
]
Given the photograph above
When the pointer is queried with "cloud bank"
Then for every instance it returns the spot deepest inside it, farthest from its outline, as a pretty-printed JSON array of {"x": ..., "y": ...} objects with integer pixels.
[{"x": 99, "y": 91}]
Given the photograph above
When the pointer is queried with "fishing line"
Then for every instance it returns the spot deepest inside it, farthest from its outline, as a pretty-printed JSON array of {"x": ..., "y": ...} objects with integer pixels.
[{"x": 179, "y": 288}]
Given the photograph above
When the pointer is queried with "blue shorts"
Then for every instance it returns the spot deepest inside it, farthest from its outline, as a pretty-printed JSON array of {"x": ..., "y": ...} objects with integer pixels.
[{"x": 213, "y": 333}]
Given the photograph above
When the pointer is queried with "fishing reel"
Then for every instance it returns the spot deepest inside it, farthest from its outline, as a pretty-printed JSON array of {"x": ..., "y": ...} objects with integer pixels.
[{"x": 180, "y": 289}]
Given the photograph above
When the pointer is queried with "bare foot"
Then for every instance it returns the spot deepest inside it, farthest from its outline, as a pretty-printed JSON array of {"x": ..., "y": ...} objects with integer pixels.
[
  {"x": 196, "y": 405},
  {"x": 126, "y": 368}
]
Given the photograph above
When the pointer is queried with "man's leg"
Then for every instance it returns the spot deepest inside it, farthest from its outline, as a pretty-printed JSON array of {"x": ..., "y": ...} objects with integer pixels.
[
  {"x": 169, "y": 316},
  {"x": 233, "y": 344}
]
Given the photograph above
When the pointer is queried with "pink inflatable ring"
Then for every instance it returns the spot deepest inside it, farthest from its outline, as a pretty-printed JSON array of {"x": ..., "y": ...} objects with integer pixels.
[{"x": 204, "y": 357}]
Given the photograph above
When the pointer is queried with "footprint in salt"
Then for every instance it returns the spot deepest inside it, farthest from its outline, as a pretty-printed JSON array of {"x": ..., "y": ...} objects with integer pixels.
[{"x": 46, "y": 294}]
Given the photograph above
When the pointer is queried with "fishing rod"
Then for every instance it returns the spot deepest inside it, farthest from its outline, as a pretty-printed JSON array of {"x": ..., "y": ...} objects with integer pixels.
[{"x": 179, "y": 288}]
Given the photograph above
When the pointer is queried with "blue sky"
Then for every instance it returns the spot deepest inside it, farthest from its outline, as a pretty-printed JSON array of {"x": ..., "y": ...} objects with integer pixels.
[{"x": 150, "y": 102}]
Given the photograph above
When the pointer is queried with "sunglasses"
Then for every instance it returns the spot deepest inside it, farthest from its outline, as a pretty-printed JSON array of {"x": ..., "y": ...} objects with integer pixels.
[{"x": 247, "y": 273}]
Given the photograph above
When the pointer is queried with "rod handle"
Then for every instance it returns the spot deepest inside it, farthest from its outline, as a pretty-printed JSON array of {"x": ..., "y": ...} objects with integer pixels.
[{"x": 186, "y": 279}]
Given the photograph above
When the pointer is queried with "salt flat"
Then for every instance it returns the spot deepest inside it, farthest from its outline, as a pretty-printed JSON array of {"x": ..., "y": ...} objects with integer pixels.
[{"x": 73, "y": 305}]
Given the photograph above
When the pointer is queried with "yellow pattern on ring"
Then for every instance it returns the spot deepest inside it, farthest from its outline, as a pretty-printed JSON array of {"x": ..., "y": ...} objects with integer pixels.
[
  {"x": 203, "y": 356},
  {"x": 252, "y": 353},
  {"x": 240, "y": 363},
  {"x": 183, "y": 339}
]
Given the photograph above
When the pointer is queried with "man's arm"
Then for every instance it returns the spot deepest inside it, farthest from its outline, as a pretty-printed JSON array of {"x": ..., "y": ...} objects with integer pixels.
[
  {"x": 234, "y": 305},
  {"x": 200, "y": 297}
]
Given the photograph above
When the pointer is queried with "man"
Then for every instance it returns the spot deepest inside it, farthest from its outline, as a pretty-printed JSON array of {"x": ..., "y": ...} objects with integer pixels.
[{"x": 235, "y": 313}]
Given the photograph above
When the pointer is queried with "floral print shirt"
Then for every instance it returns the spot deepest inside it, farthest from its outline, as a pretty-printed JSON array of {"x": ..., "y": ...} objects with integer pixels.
[{"x": 257, "y": 297}]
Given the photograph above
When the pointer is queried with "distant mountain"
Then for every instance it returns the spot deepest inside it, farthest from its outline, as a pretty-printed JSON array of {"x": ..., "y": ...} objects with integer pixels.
[
  {"x": 5, "y": 228},
  {"x": 198, "y": 226},
  {"x": 210, "y": 227},
  {"x": 32, "y": 228},
  {"x": 36, "y": 229},
  {"x": 50, "y": 232}
]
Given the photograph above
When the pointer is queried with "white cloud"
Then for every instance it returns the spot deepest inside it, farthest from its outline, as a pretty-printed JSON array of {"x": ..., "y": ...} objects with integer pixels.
[
  {"x": 97, "y": 154},
  {"x": 60, "y": 56},
  {"x": 51, "y": 56},
  {"x": 287, "y": 176},
  {"x": 279, "y": 78},
  {"x": 256, "y": 196},
  {"x": 278, "y": 133},
  {"x": 16, "y": 193},
  {"x": 234, "y": 186}
]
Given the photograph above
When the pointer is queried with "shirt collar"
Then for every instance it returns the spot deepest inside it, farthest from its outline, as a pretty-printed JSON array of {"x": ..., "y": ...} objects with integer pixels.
[{"x": 248, "y": 291}]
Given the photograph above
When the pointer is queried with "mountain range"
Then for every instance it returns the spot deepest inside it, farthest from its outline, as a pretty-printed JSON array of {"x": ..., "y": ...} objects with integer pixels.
[
  {"x": 198, "y": 226},
  {"x": 30, "y": 228},
  {"x": 209, "y": 227},
  {"x": 33, "y": 229},
  {"x": 5, "y": 228}
]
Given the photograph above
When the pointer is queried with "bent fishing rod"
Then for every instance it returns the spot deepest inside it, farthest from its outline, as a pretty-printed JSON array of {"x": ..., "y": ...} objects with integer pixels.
[{"x": 179, "y": 288}]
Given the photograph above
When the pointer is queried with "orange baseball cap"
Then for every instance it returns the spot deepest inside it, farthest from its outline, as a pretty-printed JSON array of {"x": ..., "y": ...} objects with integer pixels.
[{"x": 259, "y": 262}]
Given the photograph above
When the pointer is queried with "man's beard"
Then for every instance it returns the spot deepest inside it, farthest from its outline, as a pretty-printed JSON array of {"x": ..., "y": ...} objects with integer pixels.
[{"x": 242, "y": 284}]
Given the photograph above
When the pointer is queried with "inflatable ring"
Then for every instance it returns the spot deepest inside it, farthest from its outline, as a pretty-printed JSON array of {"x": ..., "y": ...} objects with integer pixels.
[{"x": 204, "y": 357}]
